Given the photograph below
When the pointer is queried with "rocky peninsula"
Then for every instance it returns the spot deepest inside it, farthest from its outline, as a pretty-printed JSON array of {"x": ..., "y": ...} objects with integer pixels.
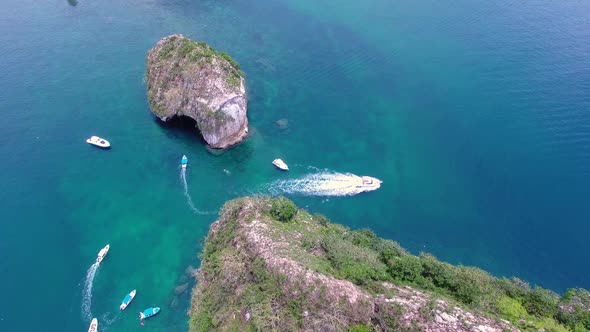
[
  {"x": 192, "y": 79},
  {"x": 269, "y": 266}
]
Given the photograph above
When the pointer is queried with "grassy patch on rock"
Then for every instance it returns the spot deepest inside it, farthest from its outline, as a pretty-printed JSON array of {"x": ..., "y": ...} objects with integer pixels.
[{"x": 200, "y": 52}]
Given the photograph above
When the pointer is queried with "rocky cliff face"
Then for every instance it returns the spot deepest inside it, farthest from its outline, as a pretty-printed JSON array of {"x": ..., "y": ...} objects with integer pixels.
[
  {"x": 268, "y": 266},
  {"x": 186, "y": 78}
]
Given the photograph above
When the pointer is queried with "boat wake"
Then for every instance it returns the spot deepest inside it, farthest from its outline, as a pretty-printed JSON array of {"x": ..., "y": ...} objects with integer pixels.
[
  {"x": 108, "y": 319},
  {"x": 87, "y": 292},
  {"x": 321, "y": 184},
  {"x": 189, "y": 199}
]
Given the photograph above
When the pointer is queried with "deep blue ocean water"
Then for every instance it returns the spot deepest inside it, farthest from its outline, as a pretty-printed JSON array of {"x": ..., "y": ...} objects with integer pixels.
[{"x": 475, "y": 114}]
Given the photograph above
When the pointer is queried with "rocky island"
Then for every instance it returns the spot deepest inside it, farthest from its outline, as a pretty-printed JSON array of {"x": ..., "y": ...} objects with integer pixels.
[
  {"x": 192, "y": 79},
  {"x": 269, "y": 266}
]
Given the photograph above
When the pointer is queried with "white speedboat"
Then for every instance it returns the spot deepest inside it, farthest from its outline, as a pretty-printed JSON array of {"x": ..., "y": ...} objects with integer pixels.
[
  {"x": 128, "y": 298},
  {"x": 100, "y": 142},
  {"x": 184, "y": 161},
  {"x": 280, "y": 164},
  {"x": 368, "y": 183},
  {"x": 93, "y": 325},
  {"x": 102, "y": 253}
]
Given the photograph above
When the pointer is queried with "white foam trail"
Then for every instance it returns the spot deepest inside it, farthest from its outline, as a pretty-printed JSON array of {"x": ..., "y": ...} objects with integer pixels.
[
  {"x": 108, "y": 319},
  {"x": 320, "y": 184},
  {"x": 189, "y": 200},
  {"x": 87, "y": 292}
]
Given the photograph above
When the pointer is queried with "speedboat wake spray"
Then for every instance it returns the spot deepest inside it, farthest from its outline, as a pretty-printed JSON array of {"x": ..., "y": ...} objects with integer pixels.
[
  {"x": 87, "y": 292},
  {"x": 189, "y": 200},
  {"x": 326, "y": 184}
]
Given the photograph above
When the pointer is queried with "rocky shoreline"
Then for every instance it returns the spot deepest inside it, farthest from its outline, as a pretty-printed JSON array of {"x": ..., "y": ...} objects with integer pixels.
[{"x": 268, "y": 266}]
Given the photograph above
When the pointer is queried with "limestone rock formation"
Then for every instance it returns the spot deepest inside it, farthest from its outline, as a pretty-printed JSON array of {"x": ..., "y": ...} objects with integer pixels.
[{"x": 186, "y": 78}]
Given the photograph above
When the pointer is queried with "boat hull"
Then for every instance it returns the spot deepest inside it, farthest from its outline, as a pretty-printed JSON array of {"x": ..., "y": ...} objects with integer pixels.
[
  {"x": 93, "y": 325},
  {"x": 368, "y": 183},
  {"x": 150, "y": 312},
  {"x": 99, "y": 142},
  {"x": 127, "y": 300},
  {"x": 280, "y": 165},
  {"x": 102, "y": 253}
]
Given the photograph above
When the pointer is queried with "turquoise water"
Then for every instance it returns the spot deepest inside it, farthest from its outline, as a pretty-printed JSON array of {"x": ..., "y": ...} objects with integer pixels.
[{"x": 474, "y": 115}]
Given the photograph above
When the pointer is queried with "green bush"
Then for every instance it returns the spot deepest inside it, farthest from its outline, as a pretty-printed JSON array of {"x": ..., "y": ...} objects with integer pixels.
[
  {"x": 388, "y": 250},
  {"x": 283, "y": 209},
  {"x": 360, "y": 328},
  {"x": 511, "y": 309},
  {"x": 441, "y": 274},
  {"x": 321, "y": 219},
  {"x": 550, "y": 325},
  {"x": 358, "y": 273},
  {"x": 407, "y": 268},
  {"x": 201, "y": 322},
  {"x": 541, "y": 303},
  {"x": 576, "y": 315},
  {"x": 579, "y": 327},
  {"x": 229, "y": 59},
  {"x": 472, "y": 286},
  {"x": 167, "y": 49},
  {"x": 187, "y": 47},
  {"x": 365, "y": 238}
]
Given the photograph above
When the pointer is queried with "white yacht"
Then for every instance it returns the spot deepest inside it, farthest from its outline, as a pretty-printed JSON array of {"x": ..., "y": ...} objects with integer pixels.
[
  {"x": 368, "y": 183},
  {"x": 102, "y": 253},
  {"x": 280, "y": 164},
  {"x": 93, "y": 325},
  {"x": 100, "y": 142}
]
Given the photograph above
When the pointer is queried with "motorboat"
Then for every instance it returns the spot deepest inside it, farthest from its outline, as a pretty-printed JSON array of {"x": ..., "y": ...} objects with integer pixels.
[
  {"x": 368, "y": 183},
  {"x": 184, "y": 161},
  {"x": 149, "y": 312},
  {"x": 100, "y": 142},
  {"x": 93, "y": 325},
  {"x": 127, "y": 299},
  {"x": 102, "y": 253},
  {"x": 280, "y": 164}
]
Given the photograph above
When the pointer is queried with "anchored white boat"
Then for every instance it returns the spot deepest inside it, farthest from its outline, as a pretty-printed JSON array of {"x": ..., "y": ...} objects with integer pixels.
[
  {"x": 100, "y": 142},
  {"x": 93, "y": 325},
  {"x": 128, "y": 298},
  {"x": 368, "y": 183},
  {"x": 280, "y": 164},
  {"x": 102, "y": 253}
]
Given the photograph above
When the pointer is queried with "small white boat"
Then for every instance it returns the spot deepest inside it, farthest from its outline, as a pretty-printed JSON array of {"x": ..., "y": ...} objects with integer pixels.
[
  {"x": 100, "y": 142},
  {"x": 102, "y": 253},
  {"x": 280, "y": 164},
  {"x": 128, "y": 298},
  {"x": 93, "y": 325},
  {"x": 149, "y": 312},
  {"x": 368, "y": 183},
  {"x": 184, "y": 161}
]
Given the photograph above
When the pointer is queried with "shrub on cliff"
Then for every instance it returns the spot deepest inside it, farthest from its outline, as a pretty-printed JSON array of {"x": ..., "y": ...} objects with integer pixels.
[
  {"x": 283, "y": 209},
  {"x": 541, "y": 302}
]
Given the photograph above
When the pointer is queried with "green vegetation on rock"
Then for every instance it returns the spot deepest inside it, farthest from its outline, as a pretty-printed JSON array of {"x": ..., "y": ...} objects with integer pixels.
[
  {"x": 236, "y": 287},
  {"x": 200, "y": 52}
]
